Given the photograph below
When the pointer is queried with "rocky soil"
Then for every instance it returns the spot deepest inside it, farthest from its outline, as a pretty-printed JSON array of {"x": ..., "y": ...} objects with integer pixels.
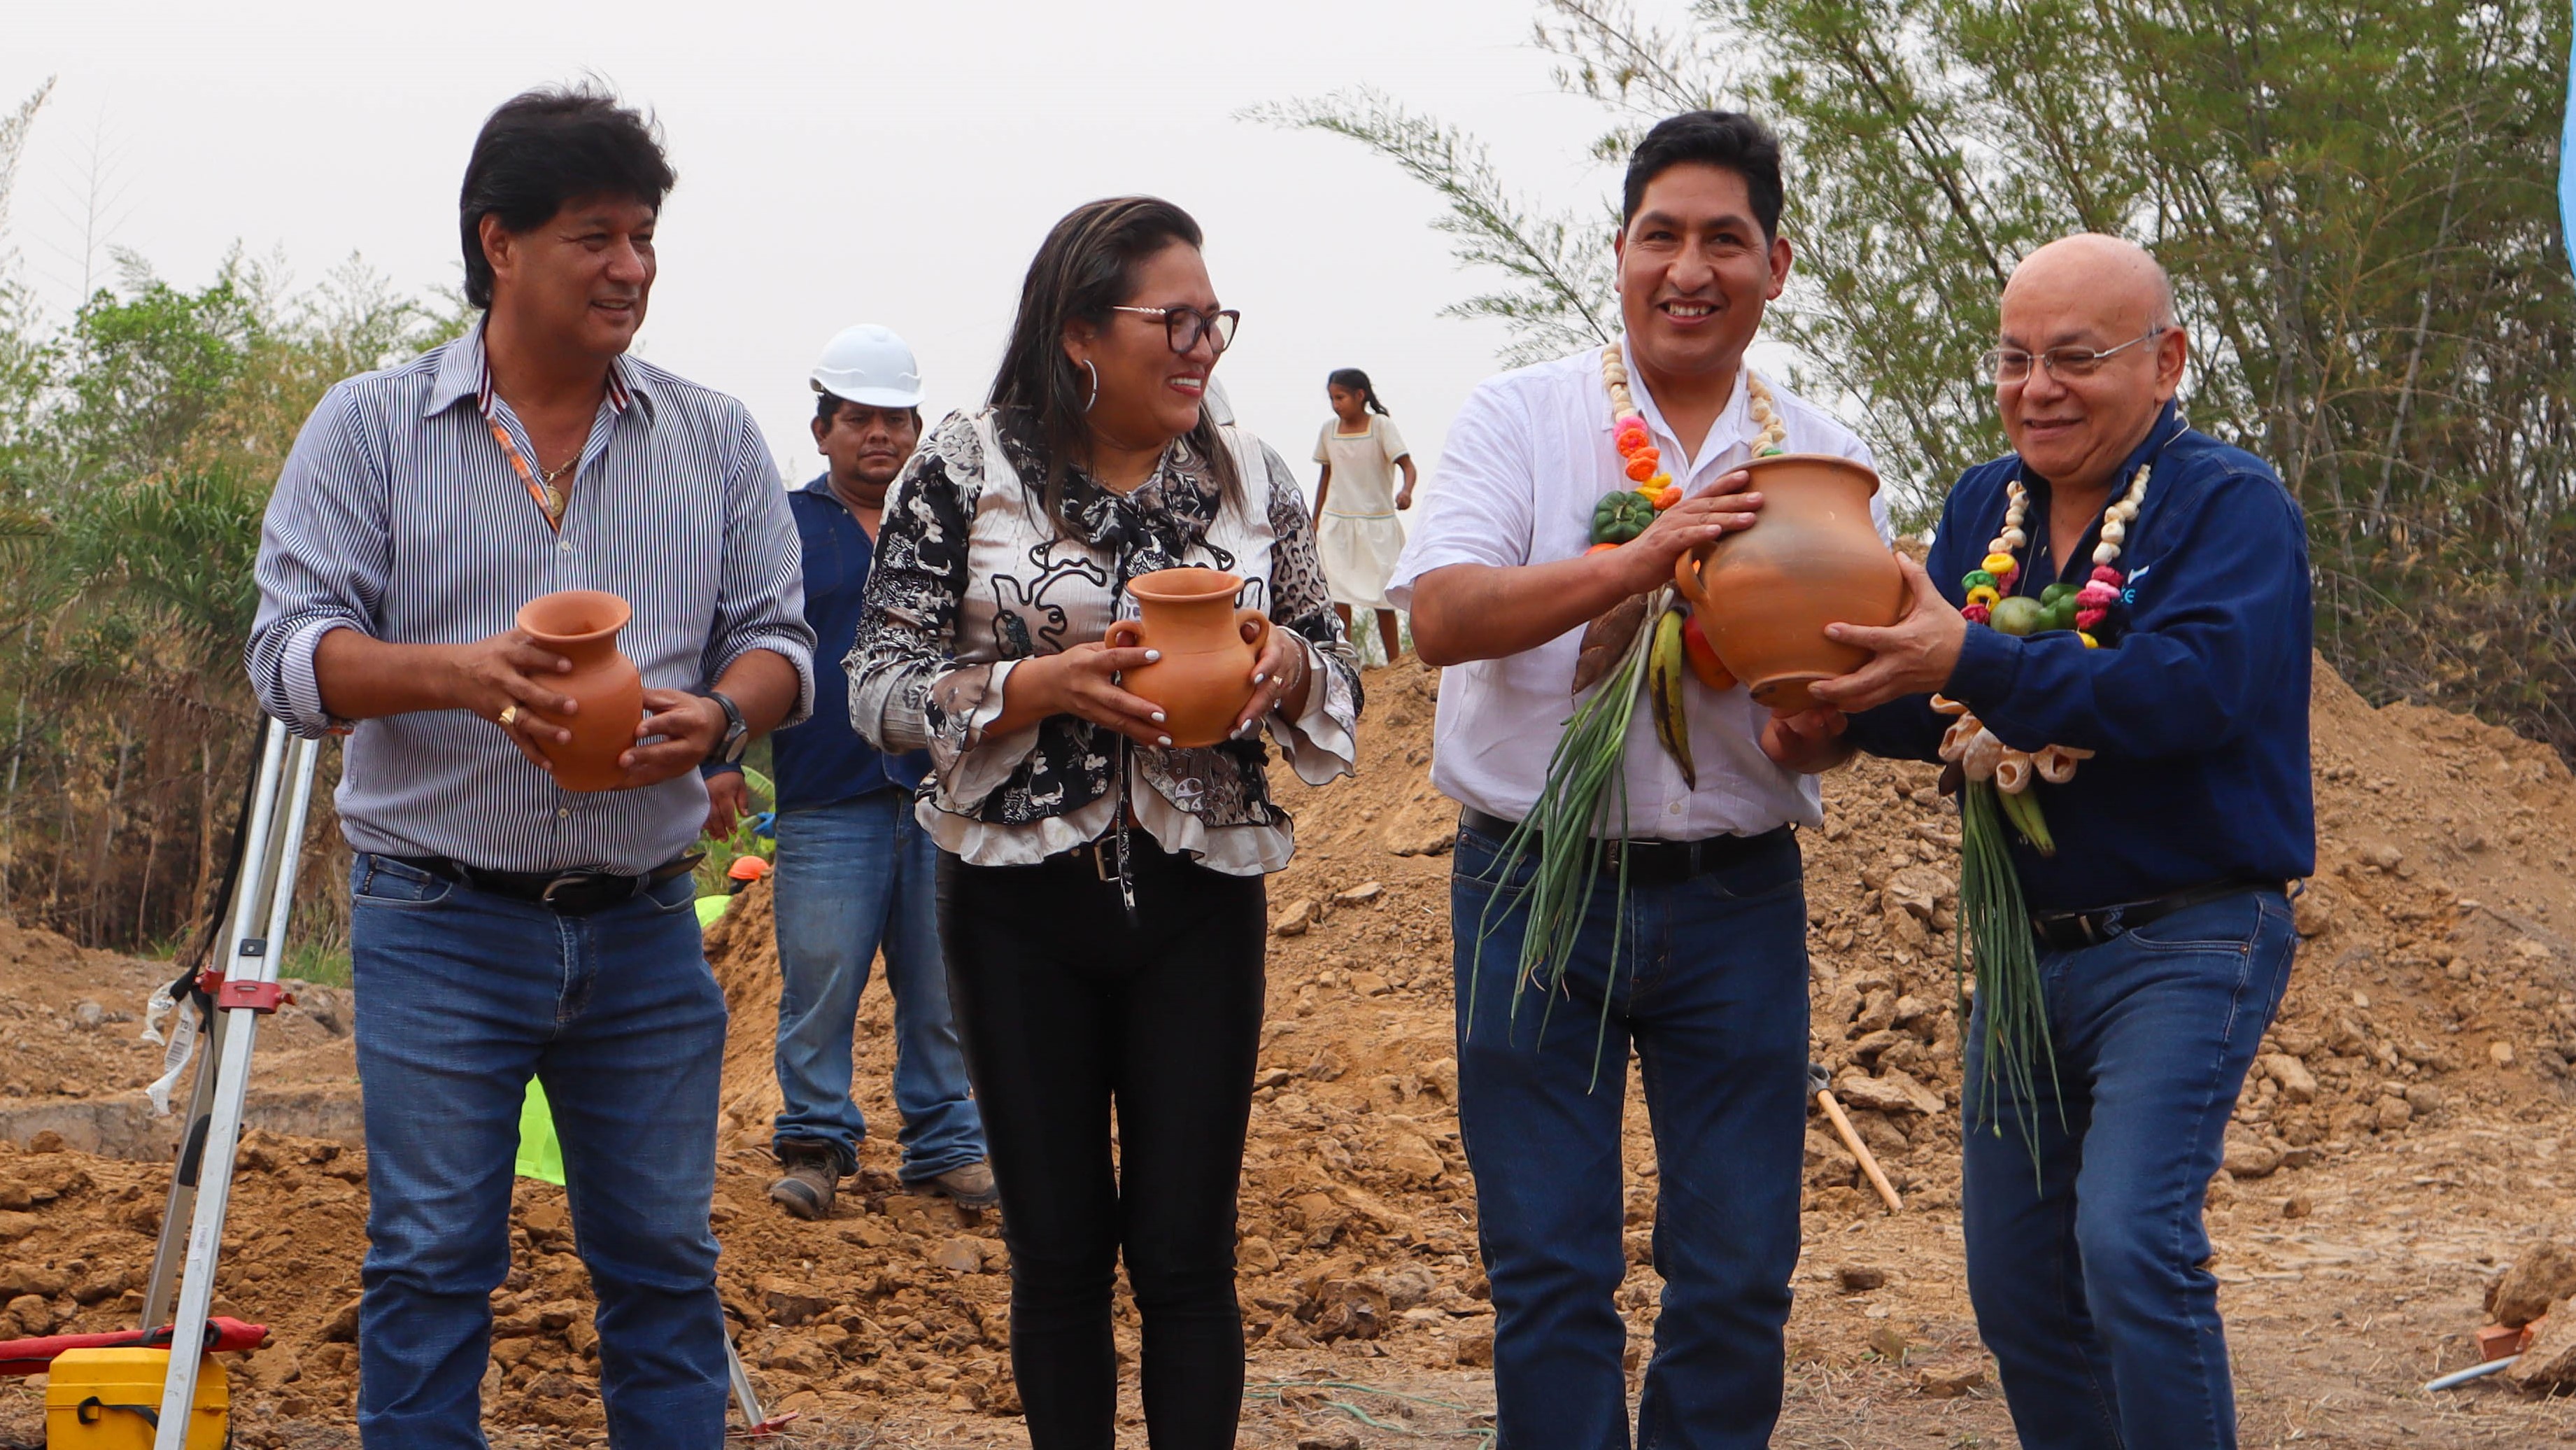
[{"x": 2397, "y": 1146}]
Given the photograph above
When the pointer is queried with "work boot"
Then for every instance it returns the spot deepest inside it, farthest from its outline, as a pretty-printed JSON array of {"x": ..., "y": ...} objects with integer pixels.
[
  {"x": 970, "y": 1185},
  {"x": 813, "y": 1170}
]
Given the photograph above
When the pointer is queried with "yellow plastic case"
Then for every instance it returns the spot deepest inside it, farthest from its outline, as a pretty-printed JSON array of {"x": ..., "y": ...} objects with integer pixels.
[{"x": 110, "y": 1399}]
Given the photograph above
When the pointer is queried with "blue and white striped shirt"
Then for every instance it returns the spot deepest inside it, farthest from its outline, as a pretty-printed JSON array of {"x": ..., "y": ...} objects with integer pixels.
[{"x": 399, "y": 516}]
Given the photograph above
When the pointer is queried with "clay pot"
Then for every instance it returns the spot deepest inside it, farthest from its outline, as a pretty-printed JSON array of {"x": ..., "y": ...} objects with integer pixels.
[
  {"x": 1765, "y": 595},
  {"x": 582, "y": 625},
  {"x": 1204, "y": 678}
]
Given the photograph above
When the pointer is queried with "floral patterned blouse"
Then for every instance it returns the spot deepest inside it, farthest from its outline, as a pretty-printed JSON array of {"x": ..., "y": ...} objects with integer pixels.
[{"x": 972, "y": 576}]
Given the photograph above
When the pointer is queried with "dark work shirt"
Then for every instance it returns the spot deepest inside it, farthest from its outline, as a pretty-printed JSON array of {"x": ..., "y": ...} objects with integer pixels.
[
  {"x": 823, "y": 761},
  {"x": 2197, "y": 705}
]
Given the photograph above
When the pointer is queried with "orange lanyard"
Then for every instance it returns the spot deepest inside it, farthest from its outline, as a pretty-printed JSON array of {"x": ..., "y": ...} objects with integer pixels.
[{"x": 550, "y": 500}]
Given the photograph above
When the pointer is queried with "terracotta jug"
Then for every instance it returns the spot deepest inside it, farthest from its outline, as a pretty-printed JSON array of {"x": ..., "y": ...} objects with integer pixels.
[
  {"x": 1204, "y": 678},
  {"x": 582, "y": 625},
  {"x": 1764, "y": 596}
]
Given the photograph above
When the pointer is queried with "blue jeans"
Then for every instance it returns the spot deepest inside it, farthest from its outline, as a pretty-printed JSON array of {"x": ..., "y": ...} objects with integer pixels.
[
  {"x": 1711, "y": 991},
  {"x": 2086, "y": 1271},
  {"x": 467, "y": 994},
  {"x": 852, "y": 875}
]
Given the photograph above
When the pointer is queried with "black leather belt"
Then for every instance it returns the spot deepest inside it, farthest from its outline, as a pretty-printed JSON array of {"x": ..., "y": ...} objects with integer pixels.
[
  {"x": 566, "y": 893},
  {"x": 2072, "y": 931},
  {"x": 1650, "y": 863}
]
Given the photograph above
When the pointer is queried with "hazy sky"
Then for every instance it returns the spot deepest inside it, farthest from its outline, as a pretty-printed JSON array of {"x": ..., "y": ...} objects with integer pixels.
[{"x": 838, "y": 163}]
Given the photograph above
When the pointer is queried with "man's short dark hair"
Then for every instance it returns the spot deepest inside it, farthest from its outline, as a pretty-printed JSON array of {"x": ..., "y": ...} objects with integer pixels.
[
  {"x": 1729, "y": 140},
  {"x": 544, "y": 148},
  {"x": 827, "y": 410}
]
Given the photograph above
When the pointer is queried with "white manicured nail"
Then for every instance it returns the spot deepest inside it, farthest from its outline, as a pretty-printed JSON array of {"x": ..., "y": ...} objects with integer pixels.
[
  {"x": 1158, "y": 717},
  {"x": 1260, "y": 679},
  {"x": 1153, "y": 655},
  {"x": 1162, "y": 740}
]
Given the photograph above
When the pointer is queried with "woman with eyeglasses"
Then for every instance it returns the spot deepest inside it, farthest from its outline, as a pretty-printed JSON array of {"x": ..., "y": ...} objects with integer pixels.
[{"x": 1100, "y": 891}]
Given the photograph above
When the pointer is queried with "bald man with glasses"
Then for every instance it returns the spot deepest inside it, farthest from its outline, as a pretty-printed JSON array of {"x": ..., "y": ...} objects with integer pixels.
[{"x": 2162, "y": 921}]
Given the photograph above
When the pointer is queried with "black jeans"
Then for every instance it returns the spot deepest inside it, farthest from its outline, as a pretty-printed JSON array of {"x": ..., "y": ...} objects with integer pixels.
[{"x": 1068, "y": 1011}]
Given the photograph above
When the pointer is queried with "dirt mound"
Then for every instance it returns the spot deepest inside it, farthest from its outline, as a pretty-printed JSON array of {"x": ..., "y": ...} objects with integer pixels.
[
  {"x": 70, "y": 1021},
  {"x": 2429, "y": 1000},
  {"x": 2428, "y": 979}
]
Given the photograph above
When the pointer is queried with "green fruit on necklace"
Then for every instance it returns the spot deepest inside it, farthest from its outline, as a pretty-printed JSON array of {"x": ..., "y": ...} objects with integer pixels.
[{"x": 2019, "y": 615}]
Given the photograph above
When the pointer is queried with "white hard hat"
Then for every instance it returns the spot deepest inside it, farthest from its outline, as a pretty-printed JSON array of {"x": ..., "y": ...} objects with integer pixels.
[{"x": 870, "y": 366}]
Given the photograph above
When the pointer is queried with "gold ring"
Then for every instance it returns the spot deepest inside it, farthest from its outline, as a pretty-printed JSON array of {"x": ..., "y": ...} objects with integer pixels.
[{"x": 508, "y": 716}]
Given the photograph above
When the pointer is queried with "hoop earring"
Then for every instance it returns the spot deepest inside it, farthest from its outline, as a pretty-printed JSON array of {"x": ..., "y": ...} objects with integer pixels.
[{"x": 1095, "y": 385}]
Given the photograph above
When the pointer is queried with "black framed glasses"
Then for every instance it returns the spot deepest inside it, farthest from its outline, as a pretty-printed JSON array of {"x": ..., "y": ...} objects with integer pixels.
[
  {"x": 1184, "y": 326},
  {"x": 2012, "y": 365}
]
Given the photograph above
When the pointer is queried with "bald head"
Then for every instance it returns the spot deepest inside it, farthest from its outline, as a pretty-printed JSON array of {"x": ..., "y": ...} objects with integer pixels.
[
  {"x": 2088, "y": 293},
  {"x": 2120, "y": 277}
]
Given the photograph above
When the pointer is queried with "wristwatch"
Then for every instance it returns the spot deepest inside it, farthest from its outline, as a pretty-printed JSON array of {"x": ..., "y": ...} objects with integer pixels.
[{"x": 729, "y": 746}]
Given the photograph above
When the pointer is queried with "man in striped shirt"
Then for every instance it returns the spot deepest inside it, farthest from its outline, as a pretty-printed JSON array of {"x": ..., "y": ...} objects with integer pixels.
[{"x": 502, "y": 926}]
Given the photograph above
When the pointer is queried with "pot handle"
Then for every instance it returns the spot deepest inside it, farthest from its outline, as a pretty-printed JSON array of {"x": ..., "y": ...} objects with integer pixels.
[
  {"x": 1261, "y": 640},
  {"x": 1124, "y": 634},
  {"x": 1686, "y": 575}
]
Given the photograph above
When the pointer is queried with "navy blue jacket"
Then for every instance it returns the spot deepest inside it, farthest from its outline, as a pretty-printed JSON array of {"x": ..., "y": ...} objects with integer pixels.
[
  {"x": 2197, "y": 707},
  {"x": 824, "y": 761}
]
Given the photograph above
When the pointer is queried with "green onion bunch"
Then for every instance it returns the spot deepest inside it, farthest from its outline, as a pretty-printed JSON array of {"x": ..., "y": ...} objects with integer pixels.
[
  {"x": 1994, "y": 942},
  {"x": 1581, "y": 816}
]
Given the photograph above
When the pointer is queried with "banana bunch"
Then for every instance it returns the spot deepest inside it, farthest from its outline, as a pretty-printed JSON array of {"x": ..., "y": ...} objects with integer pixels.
[{"x": 1667, "y": 666}]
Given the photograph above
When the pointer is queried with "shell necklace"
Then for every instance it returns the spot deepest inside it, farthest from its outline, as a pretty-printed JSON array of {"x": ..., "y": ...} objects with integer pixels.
[{"x": 1976, "y": 750}]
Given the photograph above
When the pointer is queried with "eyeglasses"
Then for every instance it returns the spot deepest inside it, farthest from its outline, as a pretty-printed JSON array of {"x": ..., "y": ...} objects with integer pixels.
[
  {"x": 2012, "y": 365},
  {"x": 1184, "y": 326}
]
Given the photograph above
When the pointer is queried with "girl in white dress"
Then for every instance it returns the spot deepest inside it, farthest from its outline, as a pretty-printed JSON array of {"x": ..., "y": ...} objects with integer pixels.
[{"x": 1356, "y": 532}]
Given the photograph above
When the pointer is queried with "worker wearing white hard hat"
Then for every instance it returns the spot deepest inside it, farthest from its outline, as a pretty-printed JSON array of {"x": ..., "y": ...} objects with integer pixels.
[{"x": 854, "y": 870}]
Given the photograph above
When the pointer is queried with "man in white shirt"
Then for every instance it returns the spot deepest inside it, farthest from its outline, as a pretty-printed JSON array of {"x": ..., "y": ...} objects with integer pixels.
[{"x": 1710, "y": 982}]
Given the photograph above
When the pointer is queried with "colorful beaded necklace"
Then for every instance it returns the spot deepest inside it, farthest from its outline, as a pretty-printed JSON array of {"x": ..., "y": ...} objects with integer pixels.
[
  {"x": 1992, "y": 581},
  {"x": 1619, "y": 518},
  {"x": 1971, "y": 746},
  {"x": 1636, "y": 447}
]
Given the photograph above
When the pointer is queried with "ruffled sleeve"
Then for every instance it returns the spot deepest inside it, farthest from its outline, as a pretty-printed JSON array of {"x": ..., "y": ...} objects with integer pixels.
[
  {"x": 908, "y": 689},
  {"x": 1322, "y": 742}
]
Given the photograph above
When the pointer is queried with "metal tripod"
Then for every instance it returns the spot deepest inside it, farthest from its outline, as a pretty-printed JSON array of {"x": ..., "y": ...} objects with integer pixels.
[{"x": 242, "y": 987}]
